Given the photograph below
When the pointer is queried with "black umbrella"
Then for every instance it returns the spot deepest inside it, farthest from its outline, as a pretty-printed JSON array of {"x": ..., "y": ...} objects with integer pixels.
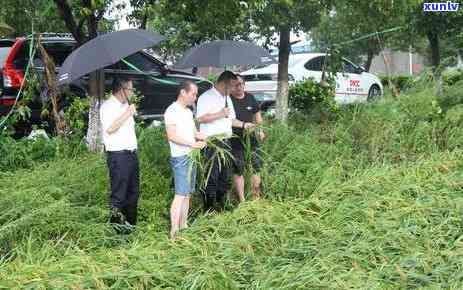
[
  {"x": 221, "y": 53},
  {"x": 105, "y": 50}
]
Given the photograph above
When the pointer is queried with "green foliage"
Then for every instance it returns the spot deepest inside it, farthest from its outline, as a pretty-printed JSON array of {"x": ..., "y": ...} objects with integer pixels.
[
  {"x": 451, "y": 77},
  {"x": 24, "y": 153},
  {"x": 370, "y": 200},
  {"x": 336, "y": 30},
  {"x": 27, "y": 153},
  {"x": 436, "y": 27},
  {"x": 307, "y": 95},
  {"x": 20, "y": 114},
  {"x": 452, "y": 96},
  {"x": 401, "y": 82},
  {"x": 187, "y": 23},
  {"x": 76, "y": 115},
  {"x": 212, "y": 78},
  {"x": 21, "y": 14}
]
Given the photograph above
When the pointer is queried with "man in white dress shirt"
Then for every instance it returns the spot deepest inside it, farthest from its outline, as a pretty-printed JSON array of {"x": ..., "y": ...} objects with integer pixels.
[
  {"x": 216, "y": 116},
  {"x": 120, "y": 141}
]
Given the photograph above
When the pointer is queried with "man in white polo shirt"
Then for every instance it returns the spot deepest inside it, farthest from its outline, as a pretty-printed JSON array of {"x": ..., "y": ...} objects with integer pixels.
[
  {"x": 183, "y": 137},
  {"x": 216, "y": 116},
  {"x": 120, "y": 142}
]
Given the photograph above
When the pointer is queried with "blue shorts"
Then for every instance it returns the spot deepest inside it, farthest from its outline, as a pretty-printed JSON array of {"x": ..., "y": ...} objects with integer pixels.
[{"x": 184, "y": 175}]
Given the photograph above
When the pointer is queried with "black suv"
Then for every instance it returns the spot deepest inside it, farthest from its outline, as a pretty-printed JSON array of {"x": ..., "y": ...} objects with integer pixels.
[{"x": 156, "y": 83}]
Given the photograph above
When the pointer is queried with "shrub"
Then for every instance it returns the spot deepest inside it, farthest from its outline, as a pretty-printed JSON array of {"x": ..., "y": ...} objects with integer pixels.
[
  {"x": 401, "y": 82},
  {"x": 24, "y": 153},
  {"x": 452, "y": 77},
  {"x": 76, "y": 115},
  {"x": 308, "y": 95},
  {"x": 452, "y": 96}
]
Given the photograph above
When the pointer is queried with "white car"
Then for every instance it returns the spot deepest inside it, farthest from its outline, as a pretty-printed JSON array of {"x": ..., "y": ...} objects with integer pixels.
[{"x": 354, "y": 84}]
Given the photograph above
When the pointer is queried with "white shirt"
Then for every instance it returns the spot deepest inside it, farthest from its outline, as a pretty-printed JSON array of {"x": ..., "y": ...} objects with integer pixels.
[
  {"x": 212, "y": 101},
  {"x": 124, "y": 138},
  {"x": 182, "y": 118}
]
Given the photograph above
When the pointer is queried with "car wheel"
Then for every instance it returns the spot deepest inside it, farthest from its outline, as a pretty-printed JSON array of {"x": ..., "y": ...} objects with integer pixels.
[{"x": 374, "y": 93}]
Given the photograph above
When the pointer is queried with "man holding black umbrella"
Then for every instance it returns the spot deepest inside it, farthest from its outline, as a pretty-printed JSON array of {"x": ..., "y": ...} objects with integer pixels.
[
  {"x": 120, "y": 142},
  {"x": 216, "y": 116}
]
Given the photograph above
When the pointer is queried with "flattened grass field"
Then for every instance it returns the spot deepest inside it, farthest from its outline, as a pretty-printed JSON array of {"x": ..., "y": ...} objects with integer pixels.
[{"x": 370, "y": 200}]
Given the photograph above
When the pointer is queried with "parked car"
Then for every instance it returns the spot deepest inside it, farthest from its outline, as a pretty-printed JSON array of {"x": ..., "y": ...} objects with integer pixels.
[
  {"x": 353, "y": 84},
  {"x": 156, "y": 83}
]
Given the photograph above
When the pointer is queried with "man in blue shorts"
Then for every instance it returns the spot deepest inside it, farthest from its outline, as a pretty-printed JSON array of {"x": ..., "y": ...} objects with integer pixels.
[{"x": 183, "y": 137}]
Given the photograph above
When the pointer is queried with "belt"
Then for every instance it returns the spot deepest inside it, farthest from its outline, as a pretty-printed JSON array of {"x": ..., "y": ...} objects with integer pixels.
[{"x": 126, "y": 151}]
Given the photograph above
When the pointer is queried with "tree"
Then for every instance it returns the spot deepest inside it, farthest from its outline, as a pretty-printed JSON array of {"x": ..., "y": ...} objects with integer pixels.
[
  {"x": 20, "y": 14},
  {"x": 143, "y": 10},
  {"x": 186, "y": 23},
  {"x": 352, "y": 20},
  {"x": 435, "y": 26},
  {"x": 82, "y": 19},
  {"x": 282, "y": 17}
]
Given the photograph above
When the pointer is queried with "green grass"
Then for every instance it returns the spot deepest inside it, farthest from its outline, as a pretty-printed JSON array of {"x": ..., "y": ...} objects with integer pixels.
[{"x": 372, "y": 200}]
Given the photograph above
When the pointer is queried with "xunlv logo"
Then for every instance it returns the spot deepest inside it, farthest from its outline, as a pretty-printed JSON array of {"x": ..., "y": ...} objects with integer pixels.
[{"x": 441, "y": 6}]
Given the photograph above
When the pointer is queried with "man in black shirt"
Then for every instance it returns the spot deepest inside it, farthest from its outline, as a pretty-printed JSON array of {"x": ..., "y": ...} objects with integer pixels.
[{"x": 245, "y": 145}]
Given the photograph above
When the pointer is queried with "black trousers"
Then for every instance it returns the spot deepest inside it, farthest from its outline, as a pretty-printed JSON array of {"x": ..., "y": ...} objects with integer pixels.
[
  {"x": 124, "y": 175},
  {"x": 219, "y": 180}
]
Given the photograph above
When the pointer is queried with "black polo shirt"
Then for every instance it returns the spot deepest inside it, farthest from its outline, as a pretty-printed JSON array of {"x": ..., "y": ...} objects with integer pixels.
[{"x": 245, "y": 109}]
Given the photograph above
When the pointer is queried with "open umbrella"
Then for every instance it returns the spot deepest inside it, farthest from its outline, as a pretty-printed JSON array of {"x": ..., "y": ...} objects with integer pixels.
[
  {"x": 221, "y": 53},
  {"x": 105, "y": 50}
]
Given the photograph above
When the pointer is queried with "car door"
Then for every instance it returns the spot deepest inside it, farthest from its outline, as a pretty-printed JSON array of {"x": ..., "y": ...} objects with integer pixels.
[
  {"x": 317, "y": 66},
  {"x": 356, "y": 87}
]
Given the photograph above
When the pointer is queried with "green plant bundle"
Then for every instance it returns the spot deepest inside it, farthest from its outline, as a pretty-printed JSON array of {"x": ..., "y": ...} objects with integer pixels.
[{"x": 221, "y": 155}]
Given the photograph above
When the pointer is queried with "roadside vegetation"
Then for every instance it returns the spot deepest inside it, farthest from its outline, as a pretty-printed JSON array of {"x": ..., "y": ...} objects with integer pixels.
[{"x": 369, "y": 197}]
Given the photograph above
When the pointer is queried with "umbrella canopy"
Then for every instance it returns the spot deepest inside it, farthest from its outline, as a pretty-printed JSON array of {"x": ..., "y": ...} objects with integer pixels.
[
  {"x": 225, "y": 52},
  {"x": 105, "y": 50}
]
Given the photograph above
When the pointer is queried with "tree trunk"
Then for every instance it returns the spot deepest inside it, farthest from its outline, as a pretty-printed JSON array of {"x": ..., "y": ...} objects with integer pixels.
[
  {"x": 96, "y": 92},
  {"x": 433, "y": 39},
  {"x": 144, "y": 21},
  {"x": 460, "y": 58},
  {"x": 283, "y": 86},
  {"x": 370, "y": 57},
  {"x": 65, "y": 10},
  {"x": 96, "y": 82}
]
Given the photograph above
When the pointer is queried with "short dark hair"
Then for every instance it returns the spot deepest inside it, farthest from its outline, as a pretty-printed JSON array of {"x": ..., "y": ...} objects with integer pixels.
[
  {"x": 185, "y": 85},
  {"x": 119, "y": 82},
  {"x": 226, "y": 76}
]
